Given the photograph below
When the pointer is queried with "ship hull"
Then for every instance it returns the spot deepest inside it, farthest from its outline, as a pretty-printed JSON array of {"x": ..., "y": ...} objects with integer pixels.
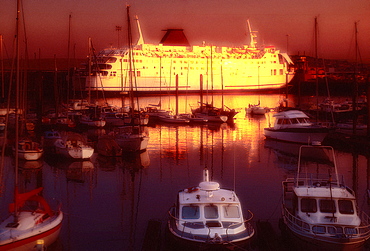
[{"x": 171, "y": 69}]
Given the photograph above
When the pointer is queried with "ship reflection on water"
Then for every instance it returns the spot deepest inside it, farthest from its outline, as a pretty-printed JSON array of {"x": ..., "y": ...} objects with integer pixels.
[{"x": 109, "y": 201}]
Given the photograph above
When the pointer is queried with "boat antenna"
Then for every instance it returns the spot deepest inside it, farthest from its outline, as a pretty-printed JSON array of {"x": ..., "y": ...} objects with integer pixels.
[
  {"x": 140, "y": 41},
  {"x": 331, "y": 193},
  {"x": 205, "y": 175},
  {"x": 252, "y": 35}
]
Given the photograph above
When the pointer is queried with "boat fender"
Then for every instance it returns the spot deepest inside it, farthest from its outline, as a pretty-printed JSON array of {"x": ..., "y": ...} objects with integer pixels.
[{"x": 191, "y": 189}]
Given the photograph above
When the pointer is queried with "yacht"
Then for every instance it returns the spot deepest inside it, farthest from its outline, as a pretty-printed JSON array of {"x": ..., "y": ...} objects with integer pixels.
[
  {"x": 295, "y": 126},
  {"x": 319, "y": 208},
  {"x": 209, "y": 215}
]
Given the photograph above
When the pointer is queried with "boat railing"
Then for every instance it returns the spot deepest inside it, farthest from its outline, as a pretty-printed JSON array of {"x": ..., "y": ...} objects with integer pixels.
[
  {"x": 316, "y": 180},
  {"x": 296, "y": 224},
  {"x": 246, "y": 222},
  {"x": 185, "y": 224}
]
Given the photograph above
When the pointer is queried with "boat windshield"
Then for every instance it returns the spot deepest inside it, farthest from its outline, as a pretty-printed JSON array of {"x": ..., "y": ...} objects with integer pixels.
[
  {"x": 231, "y": 211},
  {"x": 327, "y": 206},
  {"x": 211, "y": 212},
  {"x": 345, "y": 207},
  {"x": 308, "y": 206},
  {"x": 190, "y": 212}
]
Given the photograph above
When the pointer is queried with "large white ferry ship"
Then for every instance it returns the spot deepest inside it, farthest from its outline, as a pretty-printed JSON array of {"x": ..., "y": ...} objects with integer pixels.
[{"x": 175, "y": 65}]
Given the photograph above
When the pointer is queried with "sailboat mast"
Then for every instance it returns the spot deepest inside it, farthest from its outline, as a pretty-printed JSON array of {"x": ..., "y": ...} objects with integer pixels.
[
  {"x": 17, "y": 85},
  {"x": 317, "y": 69},
  {"x": 89, "y": 77},
  {"x": 68, "y": 51},
  {"x": 130, "y": 58},
  {"x": 2, "y": 68},
  {"x": 355, "y": 86},
  {"x": 177, "y": 94}
]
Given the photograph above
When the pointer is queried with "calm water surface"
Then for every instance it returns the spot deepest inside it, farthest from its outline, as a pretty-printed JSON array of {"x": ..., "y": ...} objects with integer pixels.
[{"x": 108, "y": 202}]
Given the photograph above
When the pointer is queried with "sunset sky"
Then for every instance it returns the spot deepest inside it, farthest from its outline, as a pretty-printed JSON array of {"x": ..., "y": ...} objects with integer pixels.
[{"x": 285, "y": 24}]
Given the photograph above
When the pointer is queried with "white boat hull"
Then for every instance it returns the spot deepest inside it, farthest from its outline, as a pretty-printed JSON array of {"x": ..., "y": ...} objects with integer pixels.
[
  {"x": 296, "y": 137},
  {"x": 30, "y": 154},
  {"x": 25, "y": 238},
  {"x": 132, "y": 143},
  {"x": 75, "y": 152},
  {"x": 210, "y": 118}
]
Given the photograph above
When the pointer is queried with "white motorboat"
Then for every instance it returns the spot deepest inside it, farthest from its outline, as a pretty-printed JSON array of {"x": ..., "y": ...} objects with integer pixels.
[
  {"x": 209, "y": 215},
  {"x": 73, "y": 146},
  {"x": 295, "y": 126},
  {"x": 320, "y": 209},
  {"x": 29, "y": 150}
]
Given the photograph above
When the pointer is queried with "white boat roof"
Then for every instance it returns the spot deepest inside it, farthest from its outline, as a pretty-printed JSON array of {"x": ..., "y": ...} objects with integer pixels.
[
  {"x": 207, "y": 193},
  {"x": 323, "y": 192},
  {"x": 290, "y": 114}
]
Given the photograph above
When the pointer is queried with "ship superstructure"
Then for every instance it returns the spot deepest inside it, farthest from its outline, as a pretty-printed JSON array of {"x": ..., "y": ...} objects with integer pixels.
[{"x": 204, "y": 67}]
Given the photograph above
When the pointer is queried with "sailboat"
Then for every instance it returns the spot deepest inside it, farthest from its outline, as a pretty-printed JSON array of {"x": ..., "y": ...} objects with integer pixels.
[
  {"x": 132, "y": 137},
  {"x": 25, "y": 147},
  {"x": 31, "y": 220},
  {"x": 73, "y": 146}
]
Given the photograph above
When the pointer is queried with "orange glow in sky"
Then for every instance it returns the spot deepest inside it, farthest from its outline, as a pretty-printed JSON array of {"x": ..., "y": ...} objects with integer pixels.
[{"x": 287, "y": 24}]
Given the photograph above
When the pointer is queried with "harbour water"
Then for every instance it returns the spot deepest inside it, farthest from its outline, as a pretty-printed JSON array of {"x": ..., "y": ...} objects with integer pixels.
[{"x": 108, "y": 202}]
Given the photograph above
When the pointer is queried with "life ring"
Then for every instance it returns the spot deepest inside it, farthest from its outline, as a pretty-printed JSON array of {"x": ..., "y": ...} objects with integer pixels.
[{"x": 191, "y": 189}]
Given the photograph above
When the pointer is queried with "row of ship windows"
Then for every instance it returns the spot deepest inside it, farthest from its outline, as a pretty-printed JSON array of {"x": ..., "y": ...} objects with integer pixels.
[
  {"x": 138, "y": 73},
  {"x": 199, "y": 62}
]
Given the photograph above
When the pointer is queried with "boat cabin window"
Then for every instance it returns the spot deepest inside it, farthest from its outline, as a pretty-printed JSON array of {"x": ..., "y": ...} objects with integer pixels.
[
  {"x": 303, "y": 120},
  {"x": 190, "y": 212},
  {"x": 283, "y": 121},
  {"x": 211, "y": 212},
  {"x": 231, "y": 211},
  {"x": 294, "y": 121},
  {"x": 327, "y": 206},
  {"x": 345, "y": 207},
  {"x": 308, "y": 206}
]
